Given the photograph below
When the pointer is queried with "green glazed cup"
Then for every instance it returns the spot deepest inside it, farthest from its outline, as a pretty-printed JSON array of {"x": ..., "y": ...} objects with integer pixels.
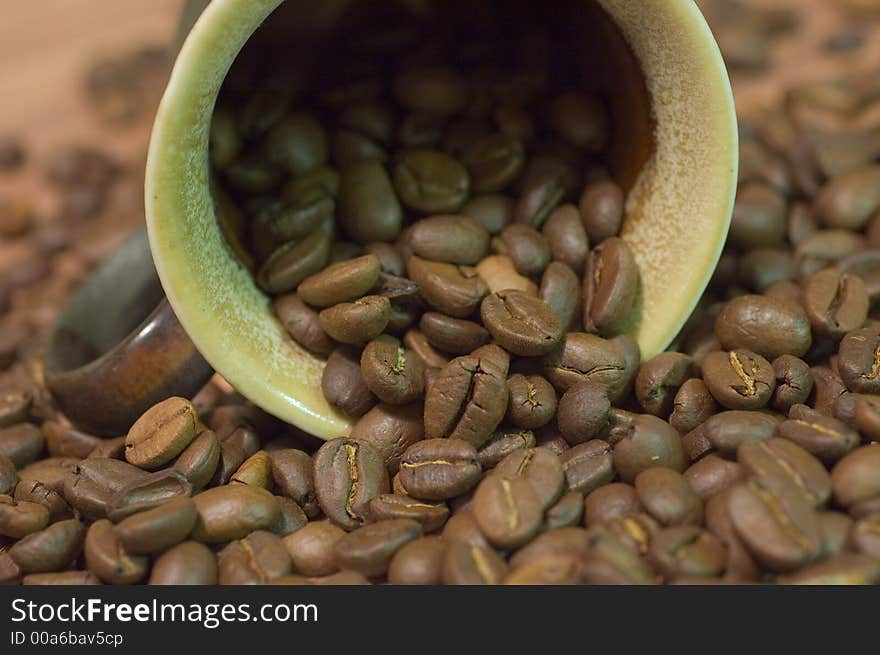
[{"x": 675, "y": 152}]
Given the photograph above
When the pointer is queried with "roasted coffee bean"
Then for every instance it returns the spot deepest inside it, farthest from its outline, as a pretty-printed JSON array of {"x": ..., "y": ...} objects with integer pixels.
[
  {"x": 835, "y": 302},
  {"x": 292, "y": 472},
  {"x": 107, "y": 558},
  {"x": 450, "y": 239},
  {"x": 468, "y": 399},
  {"x": 301, "y": 323},
  {"x": 566, "y": 512},
  {"x": 452, "y": 335},
  {"x": 494, "y": 161},
  {"x": 711, "y": 475},
  {"x": 687, "y": 550},
  {"x": 865, "y": 535},
  {"x": 794, "y": 382},
  {"x": 14, "y": 407},
  {"x": 369, "y": 549},
  {"x": 764, "y": 326},
  {"x": 66, "y": 441},
  {"x": 859, "y": 361},
  {"x": 587, "y": 358},
  {"x": 419, "y": 562},
  {"x": 827, "y": 389},
  {"x": 848, "y": 201},
  {"x": 147, "y": 492},
  {"x": 584, "y": 412},
  {"x": 431, "y": 516},
  {"x": 601, "y": 207},
  {"x": 21, "y": 443},
  {"x": 610, "y": 502},
  {"x": 356, "y": 322},
  {"x": 393, "y": 373},
  {"x": 854, "y": 478},
  {"x": 540, "y": 196},
  {"x": 419, "y": 344},
  {"x": 254, "y": 471},
  {"x": 567, "y": 238},
  {"x": 9, "y": 477},
  {"x": 726, "y": 431},
  {"x": 343, "y": 384},
  {"x": 391, "y": 429},
  {"x": 759, "y": 217},
  {"x": 438, "y": 469},
  {"x": 110, "y": 449},
  {"x": 348, "y": 474},
  {"x": 492, "y": 211},
  {"x": 431, "y": 182},
  {"x": 823, "y": 436},
  {"x": 199, "y": 460},
  {"x": 646, "y": 443},
  {"x": 588, "y": 466},
  {"x": 232, "y": 512},
  {"x": 50, "y": 549},
  {"x": 311, "y": 548},
  {"x": 658, "y": 381},
  {"x": 37, "y": 492},
  {"x": 389, "y": 257},
  {"x": 561, "y": 291},
  {"x": 507, "y": 510},
  {"x": 826, "y": 248},
  {"x": 739, "y": 379},
  {"x": 161, "y": 433},
  {"x": 499, "y": 274},
  {"x": 290, "y": 519},
  {"x": 501, "y": 444},
  {"x": 580, "y": 119},
  {"x": 610, "y": 562},
  {"x": 845, "y": 569},
  {"x": 343, "y": 282},
  {"x": 431, "y": 88},
  {"x": 611, "y": 281},
  {"x": 532, "y": 401},
  {"x": 763, "y": 267},
  {"x": 693, "y": 404},
  {"x": 294, "y": 262},
  {"x": 835, "y": 532},
  {"x": 256, "y": 559},
  {"x": 522, "y": 324},
  {"x": 527, "y": 248},
  {"x": 667, "y": 496},
  {"x": 778, "y": 526},
  {"x": 65, "y": 578},
  {"x": 450, "y": 289},
  {"x": 21, "y": 518},
  {"x": 867, "y": 417},
  {"x": 368, "y": 208},
  {"x": 468, "y": 564},
  {"x": 188, "y": 563},
  {"x": 541, "y": 467}
]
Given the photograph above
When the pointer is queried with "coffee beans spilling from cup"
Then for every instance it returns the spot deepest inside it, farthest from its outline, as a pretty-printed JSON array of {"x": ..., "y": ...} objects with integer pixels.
[{"x": 445, "y": 235}]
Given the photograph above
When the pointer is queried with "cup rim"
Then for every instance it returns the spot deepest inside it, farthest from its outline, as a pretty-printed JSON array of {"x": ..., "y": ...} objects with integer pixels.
[{"x": 229, "y": 319}]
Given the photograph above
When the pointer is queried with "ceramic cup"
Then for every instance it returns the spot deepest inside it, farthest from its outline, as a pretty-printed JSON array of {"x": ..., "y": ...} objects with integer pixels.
[{"x": 674, "y": 151}]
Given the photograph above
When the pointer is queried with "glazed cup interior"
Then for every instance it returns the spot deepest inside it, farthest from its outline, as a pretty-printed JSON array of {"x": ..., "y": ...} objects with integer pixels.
[{"x": 674, "y": 150}]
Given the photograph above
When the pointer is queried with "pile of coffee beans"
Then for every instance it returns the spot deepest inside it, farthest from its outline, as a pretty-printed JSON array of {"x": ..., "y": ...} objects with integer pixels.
[{"x": 446, "y": 236}]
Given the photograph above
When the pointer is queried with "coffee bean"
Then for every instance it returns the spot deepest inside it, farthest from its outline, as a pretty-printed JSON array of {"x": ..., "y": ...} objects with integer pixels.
[
  {"x": 847, "y": 569},
  {"x": 725, "y": 432},
  {"x": 290, "y": 519},
  {"x": 711, "y": 475},
  {"x": 499, "y": 274},
  {"x": 532, "y": 401},
  {"x": 343, "y": 282},
  {"x": 391, "y": 429},
  {"x": 527, "y": 248},
  {"x": 522, "y": 324},
  {"x": 431, "y": 88},
  {"x": 823, "y": 436},
  {"x": 835, "y": 302},
  {"x": 867, "y": 417},
  {"x": 467, "y": 564},
  {"x": 311, "y": 548},
  {"x": 740, "y": 565},
  {"x": 21, "y": 443},
  {"x": 588, "y": 466},
  {"x": 65, "y": 578},
  {"x": 583, "y": 412},
  {"x": 8, "y": 475},
  {"x": 864, "y": 535},
  {"x": 449, "y": 239},
  {"x": 507, "y": 510},
  {"x": 419, "y": 344},
  {"x": 859, "y": 361},
  {"x": 50, "y": 549},
  {"x": 369, "y": 549},
  {"x": 452, "y": 335},
  {"x": 541, "y": 467},
  {"x": 469, "y": 397},
  {"x": 419, "y": 562},
  {"x": 233, "y": 511},
  {"x": 687, "y": 550},
  {"x": 358, "y": 321},
  {"x": 693, "y": 404},
  {"x": 850, "y": 200},
  {"x": 494, "y": 161},
  {"x": 646, "y": 443},
  {"x": 437, "y": 469},
  {"x": 21, "y": 518},
  {"x": 610, "y": 562},
  {"x": 294, "y": 262},
  {"x": 256, "y": 559},
  {"x": 108, "y": 560},
  {"x": 778, "y": 526},
  {"x": 189, "y": 563},
  {"x": 368, "y": 208},
  {"x": 567, "y": 238},
  {"x": 610, "y": 502},
  {"x": 540, "y": 196},
  {"x": 147, "y": 492},
  {"x": 794, "y": 382},
  {"x": 601, "y": 208},
  {"x": 764, "y": 326},
  {"x": 854, "y": 479},
  {"x": 431, "y": 516},
  {"x": 348, "y": 474},
  {"x": 161, "y": 433},
  {"x": 611, "y": 281},
  {"x": 501, "y": 444},
  {"x": 561, "y": 291},
  {"x": 587, "y": 358},
  {"x": 431, "y": 182},
  {"x": 14, "y": 407},
  {"x": 343, "y": 384},
  {"x": 835, "y": 532},
  {"x": 450, "y": 289},
  {"x": 566, "y": 512},
  {"x": 301, "y": 322},
  {"x": 667, "y": 496},
  {"x": 199, "y": 460},
  {"x": 761, "y": 268},
  {"x": 739, "y": 379},
  {"x": 759, "y": 217},
  {"x": 658, "y": 380},
  {"x": 66, "y": 441}
]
